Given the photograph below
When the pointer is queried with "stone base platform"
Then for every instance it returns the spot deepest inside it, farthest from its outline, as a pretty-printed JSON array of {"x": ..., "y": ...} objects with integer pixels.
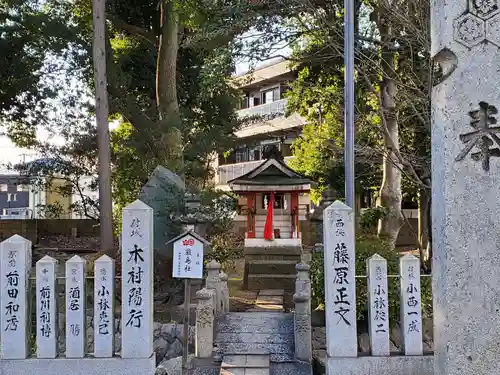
[
  {"x": 79, "y": 366},
  {"x": 271, "y": 267},
  {"x": 368, "y": 365}
]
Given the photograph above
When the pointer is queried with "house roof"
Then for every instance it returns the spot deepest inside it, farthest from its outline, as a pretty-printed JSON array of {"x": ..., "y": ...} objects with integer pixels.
[{"x": 271, "y": 172}]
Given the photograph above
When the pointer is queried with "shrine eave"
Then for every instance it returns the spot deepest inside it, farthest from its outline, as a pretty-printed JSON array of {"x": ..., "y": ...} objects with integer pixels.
[{"x": 239, "y": 188}]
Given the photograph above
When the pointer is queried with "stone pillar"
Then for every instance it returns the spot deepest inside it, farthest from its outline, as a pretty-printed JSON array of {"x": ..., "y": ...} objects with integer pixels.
[
  {"x": 302, "y": 282},
  {"x": 378, "y": 305},
  {"x": 303, "y": 328},
  {"x": 75, "y": 308},
  {"x": 46, "y": 312},
  {"x": 340, "y": 281},
  {"x": 213, "y": 282},
  {"x": 465, "y": 187},
  {"x": 137, "y": 281},
  {"x": 104, "y": 302},
  {"x": 15, "y": 263},
  {"x": 225, "y": 292},
  {"x": 205, "y": 323}
]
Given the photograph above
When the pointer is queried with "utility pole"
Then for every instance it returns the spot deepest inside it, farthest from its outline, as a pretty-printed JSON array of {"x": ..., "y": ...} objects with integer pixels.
[
  {"x": 102, "y": 114},
  {"x": 349, "y": 130}
]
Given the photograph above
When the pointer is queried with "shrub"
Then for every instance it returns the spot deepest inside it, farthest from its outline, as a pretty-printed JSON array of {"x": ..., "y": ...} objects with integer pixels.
[{"x": 366, "y": 246}]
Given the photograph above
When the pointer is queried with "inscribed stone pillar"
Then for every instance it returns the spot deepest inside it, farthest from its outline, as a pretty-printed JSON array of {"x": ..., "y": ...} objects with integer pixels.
[
  {"x": 75, "y": 307},
  {"x": 411, "y": 306},
  {"x": 378, "y": 305},
  {"x": 137, "y": 281},
  {"x": 466, "y": 187},
  {"x": 15, "y": 261},
  {"x": 340, "y": 283},
  {"x": 104, "y": 298},
  {"x": 46, "y": 313}
]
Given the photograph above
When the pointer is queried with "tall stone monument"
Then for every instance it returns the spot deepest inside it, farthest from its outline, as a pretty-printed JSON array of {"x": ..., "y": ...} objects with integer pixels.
[{"x": 466, "y": 186}]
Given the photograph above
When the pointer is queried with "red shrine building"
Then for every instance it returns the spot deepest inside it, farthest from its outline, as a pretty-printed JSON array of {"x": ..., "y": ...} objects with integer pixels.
[{"x": 273, "y": 200}]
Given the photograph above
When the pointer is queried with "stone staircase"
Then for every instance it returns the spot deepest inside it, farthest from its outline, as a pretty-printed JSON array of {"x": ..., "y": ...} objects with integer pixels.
[{"x": 256, "y": 343}]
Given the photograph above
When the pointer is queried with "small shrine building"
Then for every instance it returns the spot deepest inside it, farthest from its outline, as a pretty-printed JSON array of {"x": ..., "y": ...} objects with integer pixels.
[{"x": 273, "y": 200}]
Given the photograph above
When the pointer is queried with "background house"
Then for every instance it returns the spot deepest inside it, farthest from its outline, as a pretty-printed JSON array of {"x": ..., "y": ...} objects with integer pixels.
[{"x": 263, "y": 95}]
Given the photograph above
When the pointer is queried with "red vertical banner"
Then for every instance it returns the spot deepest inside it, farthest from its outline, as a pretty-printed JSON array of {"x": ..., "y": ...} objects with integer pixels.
[{"x": 268, "y": 228}]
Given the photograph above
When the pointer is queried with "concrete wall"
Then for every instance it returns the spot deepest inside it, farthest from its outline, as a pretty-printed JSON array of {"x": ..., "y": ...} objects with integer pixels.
[{"x": 31, "y": 229}]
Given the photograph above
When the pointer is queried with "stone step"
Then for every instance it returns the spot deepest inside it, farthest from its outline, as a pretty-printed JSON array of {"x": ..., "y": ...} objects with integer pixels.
[
  {"x": 285, "y": 267},
  {"x": 255, "y": 322},
  {"x": 264, "y": 338},
  {"x": 282, "y": 357},
  {"x": 246, "y": 361},
  {"x": 244, "y": 371},
  {"x": 271, "y": 281},
  {"x": 255, "y": 348},
  {"x": 294, "y": 368}
]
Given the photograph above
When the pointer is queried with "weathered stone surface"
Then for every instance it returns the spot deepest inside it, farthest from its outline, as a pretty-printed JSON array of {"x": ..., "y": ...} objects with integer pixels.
[
  {"x": 164, "y": 193},
  {"x": 172, "y": 366},
  {"x": 466, "y": 191}
]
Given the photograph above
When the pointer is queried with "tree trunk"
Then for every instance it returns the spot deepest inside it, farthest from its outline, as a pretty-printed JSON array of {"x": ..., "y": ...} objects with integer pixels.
[
  {"x": 102, "y": 114},
  {"x": 390, "y": 192},
  {"x": 166, "y": 87}
]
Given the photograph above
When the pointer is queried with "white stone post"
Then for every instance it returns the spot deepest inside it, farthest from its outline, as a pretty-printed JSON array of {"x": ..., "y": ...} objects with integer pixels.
[
  {"x": 104, "y": 297},
  {"x": 15, "y": 263},
  {"x": 205, "y": 323},
  {"x": 46, "y": 308},
  {"x": 465, "y": 148},
  {"x": 137, "y": 281},
  {"x": 225, "y": 292},
  {"x": 213, "y": 282},
  {"x": 76, "y": 320},
  {"x": 340, "y": 284},
  {"x": 411, "y": 309},
  {"x": 378, "y": 305}
]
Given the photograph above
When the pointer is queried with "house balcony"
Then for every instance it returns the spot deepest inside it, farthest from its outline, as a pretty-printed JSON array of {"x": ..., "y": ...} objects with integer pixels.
[
  {"x": 269, "y": 109},
  {"x": 229, "y": 172}
]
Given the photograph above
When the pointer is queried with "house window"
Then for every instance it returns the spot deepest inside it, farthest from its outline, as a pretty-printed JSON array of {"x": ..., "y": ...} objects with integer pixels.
[
  {"x": 241, "y": 155},
  {"x": 272, "y": 95},
  {"x": 4, "y": 187},
  {"x": 279, "y": 200},
  {"x": 22, "y": 188},
  {"x": 11, "y": 197}
]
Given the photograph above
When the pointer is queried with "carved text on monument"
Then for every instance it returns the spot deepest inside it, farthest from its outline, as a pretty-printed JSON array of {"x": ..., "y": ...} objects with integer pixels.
[{"x": 483, "y": 137}]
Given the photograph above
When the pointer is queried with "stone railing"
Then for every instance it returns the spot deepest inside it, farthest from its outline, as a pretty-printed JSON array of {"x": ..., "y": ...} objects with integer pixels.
[
  {"x": 302, "y": 316},
  {"x": 212, "y": 301},
  {"x": 136, "y": 356},
  {"x": 342, "y": 342}
]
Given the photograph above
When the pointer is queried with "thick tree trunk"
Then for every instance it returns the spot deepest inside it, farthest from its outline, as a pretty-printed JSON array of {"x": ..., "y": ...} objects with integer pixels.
[
  {"x": 166, "y": 87},
  {"x": 390, "y": 192}
]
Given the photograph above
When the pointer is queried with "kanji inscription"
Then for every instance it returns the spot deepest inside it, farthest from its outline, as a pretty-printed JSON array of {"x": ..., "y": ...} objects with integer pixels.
[{"x": 484, "y": 136}]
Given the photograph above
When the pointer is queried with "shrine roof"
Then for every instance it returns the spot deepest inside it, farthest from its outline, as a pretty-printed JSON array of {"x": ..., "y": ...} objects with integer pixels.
[{"x": 271, "y": 172}]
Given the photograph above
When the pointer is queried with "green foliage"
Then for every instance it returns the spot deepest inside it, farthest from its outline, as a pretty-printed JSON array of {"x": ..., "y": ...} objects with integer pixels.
[
  {"x": 370, "y": 217},
  {"x": 50, "y": 211},
  {"x": 367, "y": 246}
]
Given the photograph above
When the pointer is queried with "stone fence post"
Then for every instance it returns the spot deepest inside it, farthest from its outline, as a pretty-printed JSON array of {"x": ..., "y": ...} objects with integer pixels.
[
  {"x": 205, "y": 323},
  {"x": 303, "y": 283},
  {"x": 302, "y": 323},
  {"x": 214, "y": 282},
  {"x": 225, "y": 292}
]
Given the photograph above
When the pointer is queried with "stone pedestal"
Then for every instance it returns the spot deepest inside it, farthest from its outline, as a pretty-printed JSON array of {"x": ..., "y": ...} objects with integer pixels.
[{"x": 466, "y": 187}]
